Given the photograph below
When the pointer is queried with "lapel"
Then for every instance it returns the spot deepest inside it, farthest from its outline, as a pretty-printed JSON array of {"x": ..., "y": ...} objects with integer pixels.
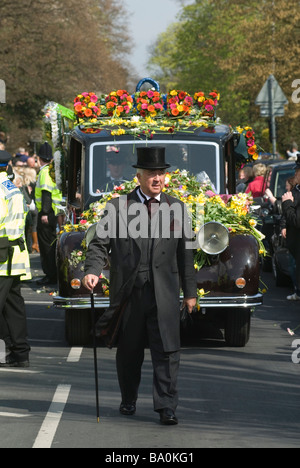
[
  {"x": 126, "y": 202},
  {"x": 164, "y": 200}
]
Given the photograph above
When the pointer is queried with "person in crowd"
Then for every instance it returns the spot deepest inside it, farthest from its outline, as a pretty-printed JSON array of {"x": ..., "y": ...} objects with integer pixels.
[
  {"x": 257, "y": 187},
  {"x": 14, "y": 266},
  {"x": 145, "y": 288},
  {"x": 291, "y": 212},
  {"x": 245, "y": 177},
  {"x": 47, "y": 198},
  {"x": 115, "y": 166},
  {"x": 30, "y": 175},
  {"x": 292, "y": 153}
]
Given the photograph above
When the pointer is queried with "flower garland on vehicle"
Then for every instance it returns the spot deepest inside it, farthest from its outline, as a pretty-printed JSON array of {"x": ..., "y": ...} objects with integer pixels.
[
  {"x": 119, "y": 103},
  {"x": 249, "y": 136},
  {"x": 179, "y": 103},
  {"x": 86, "y": 107},
  {"x": 207, "y": 104},
  {"x": 149, "y": 104},
  {"x": 232, "y": 211}
]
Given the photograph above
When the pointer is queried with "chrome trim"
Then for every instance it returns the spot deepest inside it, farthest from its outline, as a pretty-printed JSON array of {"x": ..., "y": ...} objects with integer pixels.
[
  {"x": 80, "y": 302},
  {"x": 205, "y": 302},
  {"x": 232, "y": 301}
]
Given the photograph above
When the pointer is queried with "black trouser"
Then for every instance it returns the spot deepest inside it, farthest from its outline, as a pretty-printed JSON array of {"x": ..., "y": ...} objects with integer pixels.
[
  {"x": 47, "y": 244},
  {"x": 13, "y": 324},
  {"x": 141, "y": 323}
]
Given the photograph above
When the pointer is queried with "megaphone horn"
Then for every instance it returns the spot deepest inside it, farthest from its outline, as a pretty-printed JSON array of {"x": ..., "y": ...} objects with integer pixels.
[{"x": 213, "y": 238}]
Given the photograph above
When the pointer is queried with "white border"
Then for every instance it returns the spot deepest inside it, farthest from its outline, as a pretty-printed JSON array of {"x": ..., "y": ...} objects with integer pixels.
[{"x": 152, "y": 143}]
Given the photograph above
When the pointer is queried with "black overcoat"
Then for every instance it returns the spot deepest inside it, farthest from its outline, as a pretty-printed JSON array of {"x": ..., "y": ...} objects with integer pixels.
[{"x": 172, "y": 261}]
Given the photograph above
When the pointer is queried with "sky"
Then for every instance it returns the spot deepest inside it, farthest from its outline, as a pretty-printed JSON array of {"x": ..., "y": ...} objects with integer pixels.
[{"x": 148, "y": 18}]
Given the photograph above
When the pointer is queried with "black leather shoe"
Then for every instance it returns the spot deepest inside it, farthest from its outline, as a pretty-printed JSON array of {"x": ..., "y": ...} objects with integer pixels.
[
  {"x": 12, "y": 363},
  {"x": 128, "y": 409},
  {"x": 167, "y": 417}
]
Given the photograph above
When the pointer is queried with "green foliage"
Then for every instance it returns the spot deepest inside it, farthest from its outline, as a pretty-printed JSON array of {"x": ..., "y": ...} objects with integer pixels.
[{"x": 233, "y": 47}]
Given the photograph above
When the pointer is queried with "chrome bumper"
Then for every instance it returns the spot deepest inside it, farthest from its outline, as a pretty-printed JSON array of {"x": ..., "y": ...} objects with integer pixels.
[
  {"x": 232, "y": 302},
  {"x": 80, "y": 302},
  {"x": 206, "y": 302}
]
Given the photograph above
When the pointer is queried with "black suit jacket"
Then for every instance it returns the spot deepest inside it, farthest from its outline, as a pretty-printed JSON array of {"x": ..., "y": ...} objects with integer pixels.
[{"x": 172, "y": 262}]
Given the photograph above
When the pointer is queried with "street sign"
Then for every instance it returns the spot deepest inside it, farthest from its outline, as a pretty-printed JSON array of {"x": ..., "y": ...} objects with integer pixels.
[
  {"x": 278, "y": 96},
  {"x": 278, "y": 111},
  {"x": 272, "y": 100}
]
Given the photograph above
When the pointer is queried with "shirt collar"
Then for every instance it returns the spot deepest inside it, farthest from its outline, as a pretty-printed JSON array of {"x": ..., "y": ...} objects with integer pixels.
[{"x": 143, "y": 197}]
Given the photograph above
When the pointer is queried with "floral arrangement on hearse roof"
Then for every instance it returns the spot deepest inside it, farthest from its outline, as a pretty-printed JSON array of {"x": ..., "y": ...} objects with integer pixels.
[
  {"x": 145, "y": 112},
  {"x": 233, "y": 211}
]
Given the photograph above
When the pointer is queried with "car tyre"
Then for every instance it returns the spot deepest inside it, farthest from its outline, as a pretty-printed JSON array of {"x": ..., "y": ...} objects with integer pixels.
[
  {"x": 237, "y": 327},
  {"x": 78, "y": 327}
]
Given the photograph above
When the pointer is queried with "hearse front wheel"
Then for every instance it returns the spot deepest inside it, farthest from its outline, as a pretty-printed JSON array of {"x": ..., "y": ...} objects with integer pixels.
[
  {"x": 237, "y": 327},
  {"x": 78, "y": 326}
]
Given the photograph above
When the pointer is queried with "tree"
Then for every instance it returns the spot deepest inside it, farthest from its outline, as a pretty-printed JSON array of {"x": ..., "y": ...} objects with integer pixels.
[
  {"x": 234, "y": 47},
  {"x": 59, "y": 49}
]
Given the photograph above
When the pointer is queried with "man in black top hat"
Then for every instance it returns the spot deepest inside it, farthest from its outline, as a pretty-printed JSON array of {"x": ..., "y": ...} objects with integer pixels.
[{"x": 144, "y": 284}]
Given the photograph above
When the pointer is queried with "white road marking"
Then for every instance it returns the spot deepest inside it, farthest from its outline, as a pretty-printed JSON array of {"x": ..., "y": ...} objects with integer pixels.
[
  {"x": 53, "y": 417},
  {"x": 13, "y": 415},
  {"x": 21, "y": 371},
  {"x": 75, "y": 355}
]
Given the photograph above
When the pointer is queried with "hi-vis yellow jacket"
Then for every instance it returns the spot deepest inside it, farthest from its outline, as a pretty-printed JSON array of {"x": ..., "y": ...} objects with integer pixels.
[
  {"x": 45, "y": 182},
  {"x": 12, "y": 226}
]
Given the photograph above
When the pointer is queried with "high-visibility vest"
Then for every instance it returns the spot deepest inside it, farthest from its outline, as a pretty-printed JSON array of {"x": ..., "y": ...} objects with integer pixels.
[
  {"x": 13, "y": 213},
  {"x": 45, "y": 182}
]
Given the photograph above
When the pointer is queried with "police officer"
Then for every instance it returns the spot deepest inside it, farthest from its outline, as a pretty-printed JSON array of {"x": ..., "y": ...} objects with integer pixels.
[
  {"x": 47, "y": 197},
  {"x": 14, "y": 266}
]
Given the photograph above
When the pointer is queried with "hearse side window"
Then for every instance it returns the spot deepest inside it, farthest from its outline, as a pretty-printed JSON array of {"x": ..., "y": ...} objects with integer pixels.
[{"x": 74, "y": 171}]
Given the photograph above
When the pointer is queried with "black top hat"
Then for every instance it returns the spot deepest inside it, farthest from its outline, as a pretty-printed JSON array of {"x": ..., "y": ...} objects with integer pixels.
[
  {"x": 45, "y": 152},
  {"x": 5, "y": 157},
  {"x": 152, "y": 157}
]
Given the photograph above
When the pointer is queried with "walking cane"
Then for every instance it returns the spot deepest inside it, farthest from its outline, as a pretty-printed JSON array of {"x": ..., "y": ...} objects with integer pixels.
[{"x": 95, "y": 354}]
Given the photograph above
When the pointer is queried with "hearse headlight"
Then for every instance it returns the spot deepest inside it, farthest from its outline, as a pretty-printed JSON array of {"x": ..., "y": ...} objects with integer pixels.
[
  {"x": 213, "y": 238},
  {"x": 241, "y": 283},
  {"x": 75, "y": 283}
]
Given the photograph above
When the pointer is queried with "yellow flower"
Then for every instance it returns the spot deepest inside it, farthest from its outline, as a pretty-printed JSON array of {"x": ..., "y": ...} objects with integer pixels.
[{"x": 173, "y": 93}]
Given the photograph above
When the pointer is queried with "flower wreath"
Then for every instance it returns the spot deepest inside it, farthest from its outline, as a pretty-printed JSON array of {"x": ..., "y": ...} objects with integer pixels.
[
  {"x": 207, "y": 104},
  {"x": 179, "y": 103},
  {"x": 149, "y": 104},
  {"x": 249, "y": 135},
  {"x": 119, "y": 103}
]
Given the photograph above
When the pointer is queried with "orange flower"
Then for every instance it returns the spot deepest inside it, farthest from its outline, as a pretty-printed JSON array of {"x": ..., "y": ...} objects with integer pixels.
[
  {"x": 151, "y": 109},
  {"x": 88, "y": 112},
  {"x": 175, "y": 112},
  {"x": 252, "y": 150},
  {"x": 120, "y": 92}
]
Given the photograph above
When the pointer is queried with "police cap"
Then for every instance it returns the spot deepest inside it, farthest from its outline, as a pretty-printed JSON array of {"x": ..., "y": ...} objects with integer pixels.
[{"x": 45, "y": 152}]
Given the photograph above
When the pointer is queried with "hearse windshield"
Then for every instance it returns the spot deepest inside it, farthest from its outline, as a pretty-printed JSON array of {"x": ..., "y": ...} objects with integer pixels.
[{"x": 111, "y": 163}]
